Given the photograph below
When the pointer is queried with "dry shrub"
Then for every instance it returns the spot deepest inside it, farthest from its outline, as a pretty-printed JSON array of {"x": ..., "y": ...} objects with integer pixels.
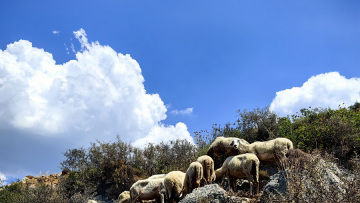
[{"x": 317, "y": 178}]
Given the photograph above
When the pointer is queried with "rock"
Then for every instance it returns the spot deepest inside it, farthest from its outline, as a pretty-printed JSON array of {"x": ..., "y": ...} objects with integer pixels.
[
  {"x": 276, "y": 186},
  {"x": 213, "y": 194},
  {"x": 314, "y": 178}
]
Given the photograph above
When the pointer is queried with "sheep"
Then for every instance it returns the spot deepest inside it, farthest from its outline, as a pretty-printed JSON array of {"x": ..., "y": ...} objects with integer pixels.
[
  {"x": 174, "y": 183},
  {"x": 222, "y": 146},
  {"x": 148, "y": 189},
  {"x": 193, "y": 176},
  {"x": 244, "y": 165},
  {"x": 208, "y": 169},
  {"x": 266, "y": 151},
  {"x": 124, "y": 197}
]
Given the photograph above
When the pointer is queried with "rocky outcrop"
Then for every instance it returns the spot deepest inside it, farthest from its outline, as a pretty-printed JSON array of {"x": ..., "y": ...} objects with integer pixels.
[
  {"x": 213, "y": 194},
  {"x": 51, "y": 180},
  {"x": 313, "y": 180},
  {"x": 275, "y": 187}
]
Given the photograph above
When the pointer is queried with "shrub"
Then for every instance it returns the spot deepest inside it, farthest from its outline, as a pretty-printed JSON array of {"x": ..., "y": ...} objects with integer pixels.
[{"x": 319, "y": 179}]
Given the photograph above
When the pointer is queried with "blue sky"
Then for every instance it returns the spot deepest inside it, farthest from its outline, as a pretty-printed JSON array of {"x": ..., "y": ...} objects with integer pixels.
[{"x": 194, "y": 63}]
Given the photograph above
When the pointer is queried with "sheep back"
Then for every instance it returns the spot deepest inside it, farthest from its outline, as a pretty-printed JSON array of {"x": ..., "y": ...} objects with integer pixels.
[
  {"x": 208, "y": 169},
  {"x": 241, "y": 165},
  {"x": 267, "y": 150},
  {"x": 174, "y": 183},
  {"x": 193, "y": 176},
  {"x": 147, "y": 189}
]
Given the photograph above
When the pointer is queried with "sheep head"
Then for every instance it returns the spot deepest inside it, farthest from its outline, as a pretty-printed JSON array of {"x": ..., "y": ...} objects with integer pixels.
[{"x": 238, "y": 145}]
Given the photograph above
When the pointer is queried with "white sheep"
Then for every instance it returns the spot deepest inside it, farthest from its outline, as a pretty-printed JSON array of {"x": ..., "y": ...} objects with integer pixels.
[
  {"x": 148, "y": 189},
  {"x": 193, "y": 176},
  {"x": 244, "y": 165},
  {"x": 208, "y": 169},
  {"x": 124, "y": 197},
  {"x": 222, "y": 146},
  {"x": 266, "y": 151},
  {"x": 174, "y": 183}
]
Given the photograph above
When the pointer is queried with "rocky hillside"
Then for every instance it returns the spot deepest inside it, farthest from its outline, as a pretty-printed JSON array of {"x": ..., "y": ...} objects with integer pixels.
[{"x": 51, "y": 180}]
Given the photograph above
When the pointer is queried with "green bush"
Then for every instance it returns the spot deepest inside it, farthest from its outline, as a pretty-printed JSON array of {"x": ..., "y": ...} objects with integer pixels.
[
  {"x": 110, "y": 168},
  {"x": 18, "y": 192}
]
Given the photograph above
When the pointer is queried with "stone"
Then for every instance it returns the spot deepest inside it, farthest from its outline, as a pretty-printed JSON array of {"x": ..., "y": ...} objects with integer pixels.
[{"x": 213, "y": 194}]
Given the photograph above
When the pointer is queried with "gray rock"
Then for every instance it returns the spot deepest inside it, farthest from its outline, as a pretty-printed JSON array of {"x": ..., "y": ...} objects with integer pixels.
[
  {"x": 276, "y": 186},
  {"x": 213, "y": 194}
]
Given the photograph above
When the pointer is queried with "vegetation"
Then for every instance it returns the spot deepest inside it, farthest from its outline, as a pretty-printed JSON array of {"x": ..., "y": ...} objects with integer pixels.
[
  {"x": 110, "y": 168},
  {"x": 311, "y": 181}
]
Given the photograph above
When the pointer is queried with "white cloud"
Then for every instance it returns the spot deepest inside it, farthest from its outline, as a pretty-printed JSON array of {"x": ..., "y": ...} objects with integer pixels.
[
  {"x": 72, "y": 48},
  {"x": 3, "y": 178},
  {"x": 56, "y": 32},
  {"x": 187, "y": 111},
  {"x": 164, "y": 133},
  {"x": 323, "y": 90},
  {"x": 100, "y": 94}
]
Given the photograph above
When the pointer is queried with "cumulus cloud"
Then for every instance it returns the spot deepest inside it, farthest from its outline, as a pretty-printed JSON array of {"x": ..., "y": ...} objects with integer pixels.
[
  {"x": 187, "y": 111},
  {"x": 100, "y": 94},
  {"x": 3, "y": 179},
  {"x": 164, "y": 133},
  {"x": 323, "y": 90}
]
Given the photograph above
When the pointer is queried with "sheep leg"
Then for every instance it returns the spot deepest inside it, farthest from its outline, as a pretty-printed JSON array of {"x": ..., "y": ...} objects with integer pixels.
[
  {"x": 232, "y": 184},
  {"x": 229, "y": 183},
  {"x": 167, "y": 193},
  {"x": 212, "y": 177},
  {"x": 197, "y": 184},
  {"x": 134, "y": 199},
  {"x": 185, "y": 189},
  {"x": 203, "y": 181},
  {"x": 160, "y": 199},
  {"x": 251, "y": 187}
]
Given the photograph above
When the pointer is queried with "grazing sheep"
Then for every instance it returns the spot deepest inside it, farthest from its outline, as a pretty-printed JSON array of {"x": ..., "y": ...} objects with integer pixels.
[
  {"x": 222, "y": 146},
  {"x": 208, "y": 169},
  {"x": 244, "y": 165},
  {"x": 148, "y": 189},
  {"x": 157, "y": 176},
  {"x": 174, "y": 183},
  {"x": 193, "y": 176},
  {"x": 266, "y": 151},
  {"x": 124, "y": 197}
]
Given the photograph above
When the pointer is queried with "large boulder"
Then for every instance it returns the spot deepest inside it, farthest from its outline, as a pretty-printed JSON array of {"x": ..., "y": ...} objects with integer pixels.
[
  {"x": 213, "y": 194},
  {"x": 313, "y": 179},
  {"x": 276, "y": 187}
]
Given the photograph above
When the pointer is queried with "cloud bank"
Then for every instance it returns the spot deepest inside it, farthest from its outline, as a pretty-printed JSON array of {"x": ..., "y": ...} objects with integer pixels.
[
  {"x": 98, "y": 95},
  {"x": 323, "y": 90}
]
